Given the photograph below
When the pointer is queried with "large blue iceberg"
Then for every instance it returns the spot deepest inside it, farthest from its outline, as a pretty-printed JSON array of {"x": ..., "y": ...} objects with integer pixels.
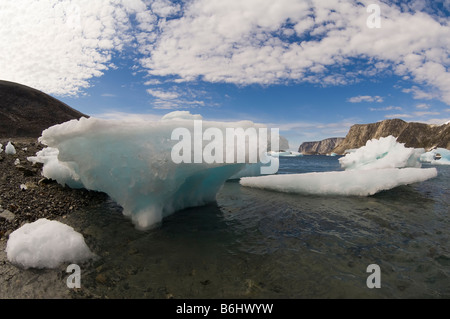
[{"x": 132, "y": 162}]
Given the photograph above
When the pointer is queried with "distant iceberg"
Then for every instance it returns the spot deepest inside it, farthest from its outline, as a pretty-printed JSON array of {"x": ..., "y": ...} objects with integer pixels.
[
  {"x": 385, "y": 152},
  {"x": 438, "y": 156},
  {"x": 379, "y": 165},
  {"x": 284, "y": 154},
  {"x": 131, "y": 161}
]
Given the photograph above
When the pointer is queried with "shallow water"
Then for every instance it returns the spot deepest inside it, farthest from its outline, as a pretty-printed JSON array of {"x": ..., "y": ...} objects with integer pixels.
[{"x": 260, "y": 244}]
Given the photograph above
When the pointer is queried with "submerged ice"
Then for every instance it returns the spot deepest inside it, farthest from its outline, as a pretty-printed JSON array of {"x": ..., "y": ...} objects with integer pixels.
[
  {"x": 131, "y": 162},
  {"x": 379, "y": 165}
]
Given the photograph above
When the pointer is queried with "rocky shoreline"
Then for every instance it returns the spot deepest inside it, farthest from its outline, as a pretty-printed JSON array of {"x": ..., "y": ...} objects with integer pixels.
[{"x": 25, "y": 195}]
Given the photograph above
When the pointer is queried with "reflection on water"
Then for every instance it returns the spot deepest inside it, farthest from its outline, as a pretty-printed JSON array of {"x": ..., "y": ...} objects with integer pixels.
[{"x": 260, "y": 244}]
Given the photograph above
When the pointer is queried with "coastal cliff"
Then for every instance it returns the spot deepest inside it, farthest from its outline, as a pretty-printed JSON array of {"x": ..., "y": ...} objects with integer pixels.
[
  {"x": 417, "y": 135},
  {"x": 323, "y": 147}
]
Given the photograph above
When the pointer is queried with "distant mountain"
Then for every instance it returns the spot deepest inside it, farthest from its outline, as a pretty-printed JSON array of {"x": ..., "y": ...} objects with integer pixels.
[
  {"x": 417, "y": 135},
  {"x": 26, "y": 112},
  {"x": 323, "y": 147}
]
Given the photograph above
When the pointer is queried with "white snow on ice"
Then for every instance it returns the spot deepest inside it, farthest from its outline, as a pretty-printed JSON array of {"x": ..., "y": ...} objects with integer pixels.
[
  {"x": 355, "y": 183},
  {"x": 379, "y": 165},
  {"x": 385, "y": 152},
  {"x": 131, "y": 162},
  {"x": 46, "y": 244}
]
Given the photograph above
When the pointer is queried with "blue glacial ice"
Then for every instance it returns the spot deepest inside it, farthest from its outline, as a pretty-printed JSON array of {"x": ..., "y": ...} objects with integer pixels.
[
  {"x": 438, "y": 156},
  {"x": 131, "y": 162}
]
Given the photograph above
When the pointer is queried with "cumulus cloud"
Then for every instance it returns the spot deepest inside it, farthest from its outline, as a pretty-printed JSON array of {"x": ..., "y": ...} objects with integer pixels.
[
  {"x": 365, "y": 98},
  {"x": 268, "y": 42},
  {"x": 59, "y": 46},
  {"x": 164, "y": 95}
]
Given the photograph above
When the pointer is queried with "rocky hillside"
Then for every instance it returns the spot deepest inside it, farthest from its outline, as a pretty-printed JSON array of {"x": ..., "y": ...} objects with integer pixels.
[
  {"x": 26, "y": 112},
  {"x": 320, "y": 147},
  {"x": 416, "y": 135}
]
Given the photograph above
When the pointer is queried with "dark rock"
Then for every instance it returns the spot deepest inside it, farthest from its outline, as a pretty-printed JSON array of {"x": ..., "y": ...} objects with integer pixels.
[
  {"x": 6, "y": 214},
  {"x": 45, "y": 181}
]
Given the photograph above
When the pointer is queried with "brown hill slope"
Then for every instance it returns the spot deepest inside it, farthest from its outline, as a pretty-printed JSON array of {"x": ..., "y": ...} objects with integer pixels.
[
  {"x": 413, "y": 134},
  {"x": 26, "y": 112},
  {"x": 320, "y": 147}
]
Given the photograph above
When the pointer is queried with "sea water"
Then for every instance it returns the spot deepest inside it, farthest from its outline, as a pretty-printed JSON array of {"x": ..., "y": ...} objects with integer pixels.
[{"x": 259, "y": 244}]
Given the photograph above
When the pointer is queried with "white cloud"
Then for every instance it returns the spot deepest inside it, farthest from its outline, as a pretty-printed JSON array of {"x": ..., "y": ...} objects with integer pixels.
[
  {"x": 425, "y": 113},
  {"x": 245, "y": 42},
  {"x": 153, "y": 82},
  {"x": 420, "y": 94},
  {"x": 122, "y": 116},
  {"x": 387, "y": 108},
  {"x": 164, "y": 8},
  {"x": 58, "y": 46},
  {"x": 163, "y": 95},
  {"x": 423, "y": 106},
  {"x": 398, "y": 115},
  {"x": 365, "y": 98}
]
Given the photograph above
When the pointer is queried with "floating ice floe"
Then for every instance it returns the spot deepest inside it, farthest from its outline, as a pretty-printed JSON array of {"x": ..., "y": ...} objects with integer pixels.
[
  {"x": 1, "y": 147},
  {"x": 46, "y": 244},
  {"x": 438, "y": 156},
  {"x": 132, "y": 162},
  {"x": 379, "y": 165},
  {"x": 354, "y": 183},
  {"x": 9, "y": 149},
  {"x": 284, "y": 154}
]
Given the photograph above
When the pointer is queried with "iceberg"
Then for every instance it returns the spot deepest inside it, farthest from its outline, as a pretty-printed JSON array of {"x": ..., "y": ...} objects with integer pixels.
[
  {"x": 132, "y": 161},
  {"x": 46, "y": 244},
  {"x": 379, "y": 165},
  {"x": 9, "y": 149},
  {"x": 385, "y": 152},
  {"x": 343, "y": 183},
  {"x": 438, "y": 156},
  {"x": 284, "y": 154}
]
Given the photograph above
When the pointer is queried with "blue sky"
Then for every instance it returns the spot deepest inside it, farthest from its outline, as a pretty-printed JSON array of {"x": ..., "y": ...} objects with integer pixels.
[{"x": 311, "y": 68}]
